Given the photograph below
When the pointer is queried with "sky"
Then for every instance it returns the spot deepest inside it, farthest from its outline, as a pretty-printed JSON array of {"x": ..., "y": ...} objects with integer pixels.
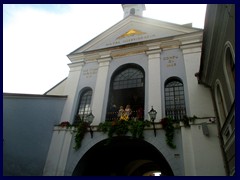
[{"x": 37, "y": 38}]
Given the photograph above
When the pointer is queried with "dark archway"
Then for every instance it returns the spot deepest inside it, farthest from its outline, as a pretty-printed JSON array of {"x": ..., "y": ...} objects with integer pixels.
[{"x": 123, "y": 156}]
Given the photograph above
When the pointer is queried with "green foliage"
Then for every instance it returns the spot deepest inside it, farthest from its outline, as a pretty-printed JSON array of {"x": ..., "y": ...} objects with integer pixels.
[
  {"x": 136, "y": 128},
  {"x": 121, "y": 128},
  {"x": 81, "y": 130},
  {"x": 167, "y": 124}
]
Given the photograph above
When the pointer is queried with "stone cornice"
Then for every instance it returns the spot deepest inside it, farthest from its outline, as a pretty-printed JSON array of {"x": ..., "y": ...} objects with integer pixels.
[
  {"x": 190, "y": 38},
  {"x": 153, "y": 51},
  {"x": 76, "y": 66},
  {"x": 185, "y": 41},
  {"x": 129, "y": 50},
  {"x": 104, "y": 60},
  {"x": 191, "y": 48}
]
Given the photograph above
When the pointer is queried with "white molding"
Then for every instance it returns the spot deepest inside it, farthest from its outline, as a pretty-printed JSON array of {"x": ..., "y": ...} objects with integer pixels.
[
  {"x": 218, "y": 83},
  {"x": 76, "y": 66},
  {"x": 226, "y": 75}
]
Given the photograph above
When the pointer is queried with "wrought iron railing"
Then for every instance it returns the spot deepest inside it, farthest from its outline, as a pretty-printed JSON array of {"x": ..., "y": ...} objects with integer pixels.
[{"x": 176, "y": 113}]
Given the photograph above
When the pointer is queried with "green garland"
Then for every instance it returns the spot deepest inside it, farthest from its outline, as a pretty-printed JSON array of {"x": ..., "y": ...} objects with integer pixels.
[
  {"x": 121, "y": 128},
  {"x": 136, "y": 128}
]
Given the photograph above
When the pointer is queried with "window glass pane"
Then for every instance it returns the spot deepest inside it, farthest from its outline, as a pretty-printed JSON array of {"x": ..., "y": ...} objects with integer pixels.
[
  {"x": 84, "y": 104},
  {"x": 128, "y": 78},
  {"x": 174, "y": 100}
]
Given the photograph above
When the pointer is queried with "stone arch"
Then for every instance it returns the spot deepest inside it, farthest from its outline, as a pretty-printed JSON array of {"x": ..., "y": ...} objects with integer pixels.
[{"x": 121, "y": 157}]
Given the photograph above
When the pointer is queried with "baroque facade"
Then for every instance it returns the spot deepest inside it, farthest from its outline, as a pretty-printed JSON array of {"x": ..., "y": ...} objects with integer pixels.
[
  {"x": 144, "y": 63},
  {"x": 141, "y": 62}
]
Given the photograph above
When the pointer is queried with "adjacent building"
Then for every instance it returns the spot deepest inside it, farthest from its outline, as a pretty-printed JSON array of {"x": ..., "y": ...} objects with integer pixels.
[{"x": 217, "y": 72}]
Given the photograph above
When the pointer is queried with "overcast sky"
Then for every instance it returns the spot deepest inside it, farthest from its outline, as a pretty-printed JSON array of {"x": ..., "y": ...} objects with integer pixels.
[{"x": 37, "y": 38}]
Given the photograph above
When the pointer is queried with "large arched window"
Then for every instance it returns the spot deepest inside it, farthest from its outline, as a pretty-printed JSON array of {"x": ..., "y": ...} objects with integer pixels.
[
  {"x": 128, "y": 78},
  {"x": 127, "y": 88},
  {"x": 84, "y": 104},
  {"x": 174, "y": 99}
]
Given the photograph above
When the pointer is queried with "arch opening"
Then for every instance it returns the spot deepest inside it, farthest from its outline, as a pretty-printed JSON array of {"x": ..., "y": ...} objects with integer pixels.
[{"x": 123, "y": 156}]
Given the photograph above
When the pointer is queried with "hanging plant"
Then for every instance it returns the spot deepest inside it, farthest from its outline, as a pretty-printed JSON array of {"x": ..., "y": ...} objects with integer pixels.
[
  {"x": 81, "y": 130},
  {"x": 121, "y": 128},
  {"x": 167, "y": 124},
  {"x": 137, "y": 127}
]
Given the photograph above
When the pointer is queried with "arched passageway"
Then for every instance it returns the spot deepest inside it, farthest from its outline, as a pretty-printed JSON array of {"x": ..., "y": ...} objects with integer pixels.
[{"x": 123, "y": 156}]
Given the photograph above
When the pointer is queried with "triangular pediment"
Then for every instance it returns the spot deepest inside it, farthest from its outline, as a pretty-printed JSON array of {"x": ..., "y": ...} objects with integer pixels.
[{"x": 134, "y": 29}]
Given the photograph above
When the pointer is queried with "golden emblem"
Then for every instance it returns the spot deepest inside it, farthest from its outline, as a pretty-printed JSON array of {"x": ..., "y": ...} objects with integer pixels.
[{"x": 131, "y": 32}]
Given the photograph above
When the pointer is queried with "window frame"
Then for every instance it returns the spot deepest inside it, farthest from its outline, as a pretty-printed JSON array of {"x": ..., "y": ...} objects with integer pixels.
[
  {"x": 123, "y": 92},
  {"x": 174, "y": 98},
  {"x": 84, "y": 103}
]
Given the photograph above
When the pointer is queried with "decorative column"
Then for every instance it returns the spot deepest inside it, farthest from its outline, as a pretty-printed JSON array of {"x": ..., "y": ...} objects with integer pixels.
[
  {"x": 99, "y": 92},
  {"x": 61, "y": 139},
  {"x": 154, "y": 80},
  {"x": 71, "y": 90}
]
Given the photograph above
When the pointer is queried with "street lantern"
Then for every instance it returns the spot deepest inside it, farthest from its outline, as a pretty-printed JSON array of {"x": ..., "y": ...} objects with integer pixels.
[
  {"x": 152, "y": 113},
  {"x": 89, "y": 120}
]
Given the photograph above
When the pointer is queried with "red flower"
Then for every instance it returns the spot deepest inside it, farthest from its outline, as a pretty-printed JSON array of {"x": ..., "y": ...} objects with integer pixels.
[
  {"x": 64, "y": 124},
  {"x": 164, "y": 122}
]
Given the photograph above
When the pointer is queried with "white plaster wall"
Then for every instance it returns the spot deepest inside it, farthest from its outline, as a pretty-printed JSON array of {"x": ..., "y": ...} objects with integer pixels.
[
  {"x": 175, "y": 162},
  {"x": 188, "y": 153},
  {"x": 200, "y": 99},
  {"x": 202, "y": 154},
  {"x": 207, "y": 153},
  {"x": 59, "y": 89},
  {"x": 54, "y": 152}
]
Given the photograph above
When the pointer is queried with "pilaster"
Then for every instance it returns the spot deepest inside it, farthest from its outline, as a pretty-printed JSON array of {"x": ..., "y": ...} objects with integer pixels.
[
  {"x": 58, "y": 152},
  {"x": 60, "y": 142},
  {"x": 71, "y": 90},
  {"x": 188, "y": 153},
  {"x": 99, "y": 92},
  {"x": 154, "y": 80}
]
